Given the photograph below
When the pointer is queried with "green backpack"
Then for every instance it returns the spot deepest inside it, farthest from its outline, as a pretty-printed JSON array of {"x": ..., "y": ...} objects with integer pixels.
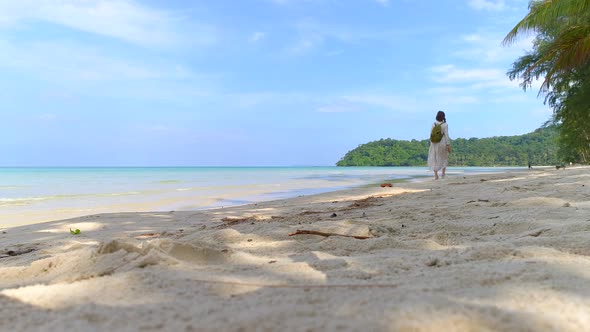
[{"x": 436, "y": 134}]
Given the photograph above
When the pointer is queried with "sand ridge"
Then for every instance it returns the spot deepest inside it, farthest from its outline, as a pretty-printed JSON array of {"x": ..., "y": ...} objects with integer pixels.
[{"x": 495, "y": 252}]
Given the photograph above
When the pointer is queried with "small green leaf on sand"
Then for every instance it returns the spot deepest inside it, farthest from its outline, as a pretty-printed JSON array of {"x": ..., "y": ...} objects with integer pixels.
[{"x": 76, "y": 232}]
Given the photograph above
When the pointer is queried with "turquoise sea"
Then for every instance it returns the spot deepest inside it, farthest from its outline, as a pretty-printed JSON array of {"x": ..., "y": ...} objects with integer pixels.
[{"x": 30, "y": 195}]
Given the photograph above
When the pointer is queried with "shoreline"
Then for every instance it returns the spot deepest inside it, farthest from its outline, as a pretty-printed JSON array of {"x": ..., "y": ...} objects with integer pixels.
[
  {"x": 25, "y": 210},
  {"x": 500, "y": 251},
  {"x": 41, "y": 195}
]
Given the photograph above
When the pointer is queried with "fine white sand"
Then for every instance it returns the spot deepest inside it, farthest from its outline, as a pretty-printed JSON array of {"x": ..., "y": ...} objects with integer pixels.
[{"x": 499, "y": 252}]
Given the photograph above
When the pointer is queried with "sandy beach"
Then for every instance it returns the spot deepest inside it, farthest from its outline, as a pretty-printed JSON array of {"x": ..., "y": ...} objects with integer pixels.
[{"x": 495, "y": 252}]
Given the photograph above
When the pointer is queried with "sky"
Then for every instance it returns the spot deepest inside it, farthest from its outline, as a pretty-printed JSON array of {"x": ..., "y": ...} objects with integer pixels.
[{"x": 251, "y": 82}]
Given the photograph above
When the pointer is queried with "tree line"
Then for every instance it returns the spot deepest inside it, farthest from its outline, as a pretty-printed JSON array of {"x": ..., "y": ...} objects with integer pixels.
[
  {"x": 537, "y": 148},
  {"x": 561, "y": 58}
]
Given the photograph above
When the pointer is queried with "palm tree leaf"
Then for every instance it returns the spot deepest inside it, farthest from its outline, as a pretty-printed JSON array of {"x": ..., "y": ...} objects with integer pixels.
[{"x": 543, "y": 13}]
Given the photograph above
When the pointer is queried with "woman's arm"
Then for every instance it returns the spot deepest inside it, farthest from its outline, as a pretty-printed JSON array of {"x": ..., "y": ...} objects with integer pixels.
[{"x": 447, "y": 137}]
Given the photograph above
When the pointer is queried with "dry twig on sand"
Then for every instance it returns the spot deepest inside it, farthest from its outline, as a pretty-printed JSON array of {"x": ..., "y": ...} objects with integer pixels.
[
  {"x": 11, "y": 253},
  {"x": 303, "y": 231}
]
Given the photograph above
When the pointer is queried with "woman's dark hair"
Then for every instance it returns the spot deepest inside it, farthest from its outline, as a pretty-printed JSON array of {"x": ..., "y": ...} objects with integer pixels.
[{"x": 440, "y": 116}]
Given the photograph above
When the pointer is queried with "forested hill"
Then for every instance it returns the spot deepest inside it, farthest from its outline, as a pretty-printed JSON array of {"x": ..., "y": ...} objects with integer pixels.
[{"x": 538, "y": 148}]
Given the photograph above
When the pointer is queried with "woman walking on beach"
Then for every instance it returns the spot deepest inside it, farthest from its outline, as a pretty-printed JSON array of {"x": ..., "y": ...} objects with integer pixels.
[{"x": 440, "y": 147}]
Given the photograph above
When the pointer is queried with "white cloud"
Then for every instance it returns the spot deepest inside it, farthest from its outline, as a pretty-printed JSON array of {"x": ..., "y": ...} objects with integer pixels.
[
  {"x": 353, "y": 102},
  {"x": 444, "y": 90},
  {"x": 475, "y": 85},
  {"x": 71, "y": 61},
  {"x": 252, "y": 100},
  {"x": 305, "y": 45},
  {"x": 69, "y": 72},
  {"x": 544, "y": 113},
  {"x": 494, "y": 5},
  {"x": 472, "y": 38},
  {"x": 390, "y": 102},
  {"x": 474, "y": 78},
  {"x": 383, "y": 2},
  {"x": 324, "y": 103},
  {"x": 46, "y": 117},
  {"x": 121, "y": 19},
  {"x": 257, "y": 36},
  {"x": 452, "y": 74},
  {"x": 339, "y": 108},
  {"x": 517, "y": 98},
  {"x": 457, "y": 99},
  {"x": 311, "y": 35},
  {"x": 487, "y": 47}
]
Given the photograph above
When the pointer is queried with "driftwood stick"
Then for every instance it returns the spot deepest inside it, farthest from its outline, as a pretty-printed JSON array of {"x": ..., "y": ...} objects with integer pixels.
[
  {"x": 303, "y": 231},
  {"x": 18, "y": 252}
]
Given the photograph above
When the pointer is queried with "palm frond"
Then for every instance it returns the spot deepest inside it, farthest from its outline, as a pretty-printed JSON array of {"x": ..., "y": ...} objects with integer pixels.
[{"x": 543, "y": 13}]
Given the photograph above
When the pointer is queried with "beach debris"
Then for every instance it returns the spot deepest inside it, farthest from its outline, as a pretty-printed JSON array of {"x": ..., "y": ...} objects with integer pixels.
[
  {"x": 539, "y": 232},
  {"x": 498, "y": 204},
  {"x": 386, "y": 184},
  {"x": 272, "y": 261},
  {"x": 378, "y": 230},
  {"x": 249, "y": 240},
  {"x": 365, "y": 202},
  {"x": 230, "y": 221},
  {"x": 432, "y": 262},
  {"x": 309, "y": 212},
  {"x": 567, "y": 204},
  {"x": 325, "y": 234},
  {"x": 74, "y": 232},
  {"x": 11, "y": 253},
  {"x": 148, "y": 235},
  {"x": 334, "y": 215},
  {"x": 479, "y": 200}
]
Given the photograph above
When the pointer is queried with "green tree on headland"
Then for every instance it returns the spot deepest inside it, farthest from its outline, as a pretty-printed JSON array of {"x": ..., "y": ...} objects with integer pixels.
[
  {"x": 561, "y": 57},
  {"x": 537, "y": 148}
]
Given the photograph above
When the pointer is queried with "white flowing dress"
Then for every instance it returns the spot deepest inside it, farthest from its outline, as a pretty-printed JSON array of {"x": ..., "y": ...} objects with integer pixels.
[{"x": 438, "y": 155}]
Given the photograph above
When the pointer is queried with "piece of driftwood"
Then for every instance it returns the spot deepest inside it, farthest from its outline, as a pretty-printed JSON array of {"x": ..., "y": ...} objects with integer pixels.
[
  {"x": 11, "y": 253},
  {"x": 539, "y": 232},
  {"x": 479, "y": 200},
  {"x": 303, "y": 231}
]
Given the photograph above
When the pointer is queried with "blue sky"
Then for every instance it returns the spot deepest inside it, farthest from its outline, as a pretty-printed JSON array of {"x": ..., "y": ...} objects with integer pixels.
[{"x": 250, "y": 82}]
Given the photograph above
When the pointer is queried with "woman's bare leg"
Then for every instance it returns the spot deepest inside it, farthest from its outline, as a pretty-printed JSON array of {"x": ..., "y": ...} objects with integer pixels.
[
  {"x": 436, "y": 175},
  {"x": 444, "y": 170}
]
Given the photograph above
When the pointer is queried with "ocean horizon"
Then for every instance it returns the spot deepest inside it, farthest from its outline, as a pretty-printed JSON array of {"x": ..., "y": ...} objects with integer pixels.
[{"x": 37, "y": 194}]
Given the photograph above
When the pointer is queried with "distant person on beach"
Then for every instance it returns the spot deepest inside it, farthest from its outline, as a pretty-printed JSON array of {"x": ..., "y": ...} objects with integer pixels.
[{"x": 440, "y": 147}]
